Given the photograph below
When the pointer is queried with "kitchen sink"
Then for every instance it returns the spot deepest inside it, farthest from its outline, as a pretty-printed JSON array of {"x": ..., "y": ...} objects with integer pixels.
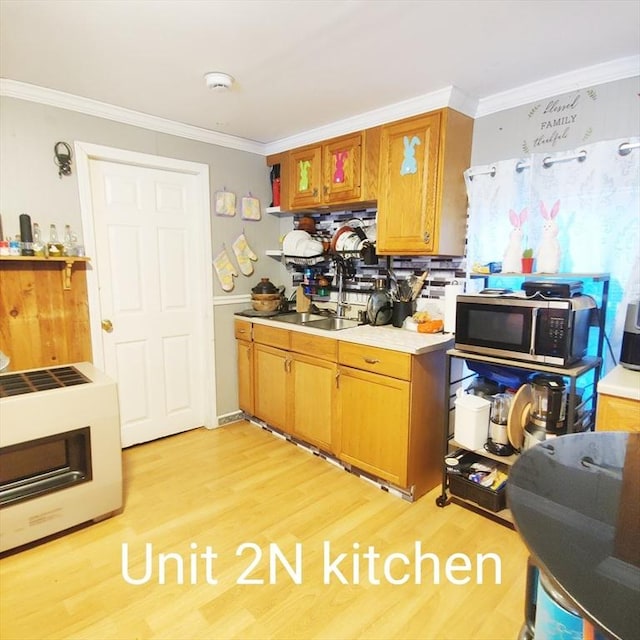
[
  {"x": 298, "y": 318},
  {"x": 331, "y": 324},
  {"x": 316, "y": 320}
]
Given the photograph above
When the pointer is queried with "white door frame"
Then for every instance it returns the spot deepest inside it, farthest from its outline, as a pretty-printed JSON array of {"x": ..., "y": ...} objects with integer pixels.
[{"x": 84, "y": 154}]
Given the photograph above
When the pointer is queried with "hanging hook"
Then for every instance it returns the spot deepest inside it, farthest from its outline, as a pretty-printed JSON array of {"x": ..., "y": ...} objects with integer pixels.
[{"x": 62, "y": 153}]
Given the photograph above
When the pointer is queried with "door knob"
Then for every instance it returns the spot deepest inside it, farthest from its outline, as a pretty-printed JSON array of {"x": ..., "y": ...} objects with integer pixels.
[{"x": 107, "y": 326}]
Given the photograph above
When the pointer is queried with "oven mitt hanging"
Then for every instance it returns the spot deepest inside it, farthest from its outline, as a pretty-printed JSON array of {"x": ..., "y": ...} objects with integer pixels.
[
  {"x": 250, "y": 208},
  {"x": 244, "y": 254},
  {"x": 225, "y": 203},
  {"x": 224, "y": 270}
]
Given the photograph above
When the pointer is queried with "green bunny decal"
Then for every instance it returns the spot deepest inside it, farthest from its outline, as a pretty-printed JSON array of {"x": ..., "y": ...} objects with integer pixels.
[{"x": 304, "y": 166}]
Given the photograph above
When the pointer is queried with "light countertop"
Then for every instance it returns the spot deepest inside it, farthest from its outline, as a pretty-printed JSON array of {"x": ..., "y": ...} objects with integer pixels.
[
  {"x": 622, "y": 383},
  {"x": 385, "y": 337}
]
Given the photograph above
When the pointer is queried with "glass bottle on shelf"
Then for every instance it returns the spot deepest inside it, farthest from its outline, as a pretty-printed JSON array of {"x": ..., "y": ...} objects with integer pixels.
[
  {"x": 54, "y": 246},
  {"x": 39, "y": 248},
  {"x": 69, "y": 244}
]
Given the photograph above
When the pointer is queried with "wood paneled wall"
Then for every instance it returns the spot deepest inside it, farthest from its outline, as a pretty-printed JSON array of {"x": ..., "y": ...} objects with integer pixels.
[{"x": 41, "y": 323}]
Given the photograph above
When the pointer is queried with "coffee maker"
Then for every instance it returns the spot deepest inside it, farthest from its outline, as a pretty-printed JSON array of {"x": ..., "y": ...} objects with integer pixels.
[{"x": 548, "y": 409}]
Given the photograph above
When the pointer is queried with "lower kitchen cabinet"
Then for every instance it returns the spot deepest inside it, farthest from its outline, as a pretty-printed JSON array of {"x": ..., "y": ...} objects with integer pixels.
[
  {"x": 374, "y": 423},
  {"x": 617, "y": 414},
  {"x": 378, "y": 410},
  {"x": 271, "y": 374},
  {"x": 389, "y": 412},
  {"x": 312, "y": 392},
  {"x": 244, "y": 361},
  {"x": 294, "y": 377},
  {"x": 245, "y": 376}
]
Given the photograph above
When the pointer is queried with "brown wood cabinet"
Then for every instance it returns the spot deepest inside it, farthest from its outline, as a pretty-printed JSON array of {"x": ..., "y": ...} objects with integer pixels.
[
  {"x": 312, "y": 401},
  {"x": 617, "y": 414},
  {"x": 421, "y": 197},
  {"x": 374, "y": 423},
  {"x": 390, "y": 414},
  {"x": 271, "y": 365},
  {"x": 339, "y": 171},
  {"x": 244, "y": 346},
  {"x": 294, "y": 381},
  {"x": 379, "y": 410}
]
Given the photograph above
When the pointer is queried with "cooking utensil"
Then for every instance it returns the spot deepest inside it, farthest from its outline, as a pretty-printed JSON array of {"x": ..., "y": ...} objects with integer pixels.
[
  {"x": 404, "y": 291},
  {"x": 265, "y": 286},
  {"x": 417, "y": 285}
]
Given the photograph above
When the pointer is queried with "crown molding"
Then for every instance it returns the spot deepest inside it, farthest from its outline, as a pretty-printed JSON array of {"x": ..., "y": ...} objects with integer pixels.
[
  {"x": 448, "y": 97},
  {"x": 54, "y": 98},
  {"x": 556, "y": 85}
]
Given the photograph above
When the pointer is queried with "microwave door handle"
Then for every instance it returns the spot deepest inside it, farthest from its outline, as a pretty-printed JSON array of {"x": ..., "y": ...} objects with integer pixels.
[{"x": 534, "y": 325}]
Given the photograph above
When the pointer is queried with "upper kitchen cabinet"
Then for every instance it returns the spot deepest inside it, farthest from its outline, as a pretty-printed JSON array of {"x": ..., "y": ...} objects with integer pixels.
[
  {"x": 340, "y": 171},
  {"x": 422, "y": 204}
]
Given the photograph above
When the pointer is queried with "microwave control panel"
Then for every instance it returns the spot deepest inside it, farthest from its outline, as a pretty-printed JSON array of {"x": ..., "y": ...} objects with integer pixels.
[{"x": 553, "y": 328}]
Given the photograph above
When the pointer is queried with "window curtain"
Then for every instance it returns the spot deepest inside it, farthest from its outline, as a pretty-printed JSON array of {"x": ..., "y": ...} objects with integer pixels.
[{"x": 596, "y": 192}]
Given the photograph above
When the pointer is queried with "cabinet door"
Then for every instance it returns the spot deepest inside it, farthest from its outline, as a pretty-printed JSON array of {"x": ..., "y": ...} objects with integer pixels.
[
  {"x": 407, "y": 200},
  {"x": 313, "y": 392},
  {"x": 617, "y": 414},
  {"x": 271, "y": 372},
  {"x": 245, "y": 376},
  {"x": 342, "y": 169},
  {"x": 305, "y": 180},
  {"x": 373, "y": 418}
]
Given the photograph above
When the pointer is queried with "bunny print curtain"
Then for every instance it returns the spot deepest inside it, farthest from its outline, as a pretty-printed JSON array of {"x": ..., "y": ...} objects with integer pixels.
[{"x": 578, "y": 210}]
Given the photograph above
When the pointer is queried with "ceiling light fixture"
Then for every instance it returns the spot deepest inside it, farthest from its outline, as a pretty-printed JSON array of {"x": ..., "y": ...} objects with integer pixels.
[{"x": 218, "y": 80}]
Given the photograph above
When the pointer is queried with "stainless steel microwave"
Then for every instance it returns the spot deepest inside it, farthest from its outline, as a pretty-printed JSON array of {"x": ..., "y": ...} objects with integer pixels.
[{"x": 553, "y": 331}]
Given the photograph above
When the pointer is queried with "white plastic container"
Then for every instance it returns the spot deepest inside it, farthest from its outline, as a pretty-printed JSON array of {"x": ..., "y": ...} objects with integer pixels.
[{"x": 471, "y": 421}]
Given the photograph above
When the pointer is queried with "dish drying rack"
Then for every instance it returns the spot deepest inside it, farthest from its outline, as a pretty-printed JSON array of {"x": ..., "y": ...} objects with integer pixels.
[{"x": 310, "y": 261}]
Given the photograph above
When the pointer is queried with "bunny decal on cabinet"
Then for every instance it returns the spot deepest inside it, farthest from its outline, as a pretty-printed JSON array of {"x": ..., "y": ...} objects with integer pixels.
[
  {"x": 409, "y": 164},
  {"x": 511, "y": 262},
  {"x": 548, "y": 254},
  {"x": 341, "y": 157}
]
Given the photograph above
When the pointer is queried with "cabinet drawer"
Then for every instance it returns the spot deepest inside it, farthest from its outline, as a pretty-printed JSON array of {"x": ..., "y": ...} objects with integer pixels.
[
  {"x": 316, "y": 346},
  {"x": 389, "y": 363},
  {"x": 271, "y": 336},
  {"x": 242, "y": 330}
]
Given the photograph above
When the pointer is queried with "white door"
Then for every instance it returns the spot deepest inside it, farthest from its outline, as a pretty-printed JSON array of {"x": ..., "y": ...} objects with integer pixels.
[{"x": 154, "y": 322}]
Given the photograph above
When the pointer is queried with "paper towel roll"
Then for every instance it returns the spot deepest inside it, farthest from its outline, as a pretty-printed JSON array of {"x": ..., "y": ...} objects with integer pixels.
[{"x": 451, "y": 292}]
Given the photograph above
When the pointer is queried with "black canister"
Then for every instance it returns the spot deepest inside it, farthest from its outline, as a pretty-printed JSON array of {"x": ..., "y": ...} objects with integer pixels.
[
  {"x": 26, "y": 235},
  {"x": 402, "y": 309}
]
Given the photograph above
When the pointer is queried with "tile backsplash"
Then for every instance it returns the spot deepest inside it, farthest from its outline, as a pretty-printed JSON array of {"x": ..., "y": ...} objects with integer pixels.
[{"x": 442, "y": 270}]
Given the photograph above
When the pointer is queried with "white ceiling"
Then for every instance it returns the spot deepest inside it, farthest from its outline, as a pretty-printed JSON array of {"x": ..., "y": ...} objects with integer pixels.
[{"x": 302, "y": 65}]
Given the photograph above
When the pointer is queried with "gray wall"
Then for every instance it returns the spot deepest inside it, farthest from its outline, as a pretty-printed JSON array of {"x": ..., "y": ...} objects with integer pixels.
[
  {"x": 561, "y": 123},
  {"x": 29, "y": 180},
  {"x": 29, "y": 183}
]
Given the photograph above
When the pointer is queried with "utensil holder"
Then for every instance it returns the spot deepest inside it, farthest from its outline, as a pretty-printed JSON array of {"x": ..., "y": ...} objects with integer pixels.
[{"x": 401, "y": 310}]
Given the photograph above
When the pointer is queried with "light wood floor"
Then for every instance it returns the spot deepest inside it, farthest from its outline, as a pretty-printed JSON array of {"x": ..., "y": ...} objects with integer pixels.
[{"x": 237, "y": 485}]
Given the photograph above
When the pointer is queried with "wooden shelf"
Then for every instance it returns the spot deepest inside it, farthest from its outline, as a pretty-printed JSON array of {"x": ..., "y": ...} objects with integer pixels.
[
  {"x": 66, "y": 261},
  {"x": 508, "y": 460}
]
